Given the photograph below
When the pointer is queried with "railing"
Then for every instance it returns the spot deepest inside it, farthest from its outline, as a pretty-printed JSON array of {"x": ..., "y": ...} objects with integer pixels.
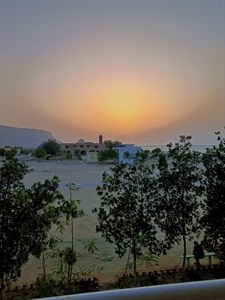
[{"x": 200, "y": 290}]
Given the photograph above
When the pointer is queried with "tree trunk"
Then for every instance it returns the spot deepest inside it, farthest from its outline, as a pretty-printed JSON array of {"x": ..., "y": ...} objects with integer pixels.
[
  {"x": 72, "y": 242},
  {"x": 135, "y": 264},
  {"x": 43, "y": 265},
  {"x": 134, "y": 259},
  {"x": 128, "y": 259},
  {"x": 185, "y": 248}
]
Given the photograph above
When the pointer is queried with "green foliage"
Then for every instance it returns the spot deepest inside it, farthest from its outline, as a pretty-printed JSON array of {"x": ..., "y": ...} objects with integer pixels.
[
  {"x": 67, "y": 257},
  {"x": 178, "y": 190},
  {"x": 47, "y": 288},
  {"x": 8, "y": 153},
  {"x": 146, "y": 259},
  {"x": 213, "y": 221},
  {"x": 26, "y": 215},
  {"x": 78, "y": 154},
  {"x": 144, "y": 154},
  {"x": 51, "y": 147},
  {"x": 40, "y": 152},
  {"x": 25, "y": 151},
  {"x": 107, "y": 154},
  {"x": 112, "y": 144},
  {"x": 68, "y": 156},
  {"x": 2, "y": 151},
  {"x": 156, "y": 152},
  {"x": 124, "y": 215},
  {"x": 14, "y": 230}
]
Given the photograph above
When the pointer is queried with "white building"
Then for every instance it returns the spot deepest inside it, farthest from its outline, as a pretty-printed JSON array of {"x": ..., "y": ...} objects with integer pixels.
[{"x": 127, "y": 153}]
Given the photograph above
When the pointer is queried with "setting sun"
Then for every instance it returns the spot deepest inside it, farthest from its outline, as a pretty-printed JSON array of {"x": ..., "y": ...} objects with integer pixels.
[
  {"x": 143, "y": 69},
  {"x": 122, "y": 106}
]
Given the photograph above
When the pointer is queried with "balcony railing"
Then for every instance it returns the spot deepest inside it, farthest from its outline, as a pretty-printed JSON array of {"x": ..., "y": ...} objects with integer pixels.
[{"x": 200, "y": 290}]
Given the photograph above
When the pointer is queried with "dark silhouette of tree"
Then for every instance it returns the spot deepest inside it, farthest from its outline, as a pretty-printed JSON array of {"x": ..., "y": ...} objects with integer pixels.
[
  {"x": 178, "y": 190},
  {"x": 40, "y": 152},
  {"x": 109, "y": 153},
  {"x": 51, "y": 147},
  {"x": 123, "y": 216},
  {"x": 213, "y": 221},
  {"x": 26, "y": 215},
  {"x": 112, "y": 144}
]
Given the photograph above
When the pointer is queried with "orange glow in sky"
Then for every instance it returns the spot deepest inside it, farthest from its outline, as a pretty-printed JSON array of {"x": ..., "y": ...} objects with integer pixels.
[
  {"x": 80, "y": 68},
  {"x": 119, "y": 106}
]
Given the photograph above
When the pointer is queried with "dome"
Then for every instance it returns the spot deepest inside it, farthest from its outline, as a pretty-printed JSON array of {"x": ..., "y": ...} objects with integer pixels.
[{"x": 81, "y": 141}]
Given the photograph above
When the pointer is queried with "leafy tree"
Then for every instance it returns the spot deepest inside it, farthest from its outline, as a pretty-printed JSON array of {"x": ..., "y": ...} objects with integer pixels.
[
  {"x": 70, "y": 209},
  {"x": 68, "y": 256},
  {"x": 25, "y": 151},
  {"x": 68, "y": 156},
  {"x": 112, "y": 144},
  {"x": 109, "y": 153},
  {"x": 144, "y": 154},
  {"x": 178, "y": 185},
  {"x": 213, "y": 220},
  {"x": 26, "y": 215},
  {"x": 11, "y": 191},
  {"x": 123, "y": 216},
  {"x": 78, "y": 154},
  {"x": 40, "y": 152},
  {"x": 51, "y": 147},
  {"x": 2, "y": 151},
  {"x": 8, "y": 153}
]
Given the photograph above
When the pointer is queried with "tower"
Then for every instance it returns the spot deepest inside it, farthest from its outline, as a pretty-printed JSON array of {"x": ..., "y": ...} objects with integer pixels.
[{"x": 100, "y": 139}]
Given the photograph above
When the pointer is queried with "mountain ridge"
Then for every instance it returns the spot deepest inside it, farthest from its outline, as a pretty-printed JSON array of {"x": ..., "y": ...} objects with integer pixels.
[{"x": 23, "y": 137}]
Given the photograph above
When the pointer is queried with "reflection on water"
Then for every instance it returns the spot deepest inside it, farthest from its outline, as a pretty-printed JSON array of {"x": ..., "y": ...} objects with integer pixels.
[{"x": 86, "y": 177}]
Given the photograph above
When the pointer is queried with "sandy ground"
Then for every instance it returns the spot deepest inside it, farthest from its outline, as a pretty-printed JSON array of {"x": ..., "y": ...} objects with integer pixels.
[{"x": 86, "y": 177}]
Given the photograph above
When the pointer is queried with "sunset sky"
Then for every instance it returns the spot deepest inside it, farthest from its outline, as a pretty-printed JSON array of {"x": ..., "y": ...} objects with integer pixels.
[{"x": 139, "y": 71}]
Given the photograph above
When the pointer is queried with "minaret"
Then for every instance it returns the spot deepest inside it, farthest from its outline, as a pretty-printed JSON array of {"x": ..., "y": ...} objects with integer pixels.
[{"x": 100, "y": 139}]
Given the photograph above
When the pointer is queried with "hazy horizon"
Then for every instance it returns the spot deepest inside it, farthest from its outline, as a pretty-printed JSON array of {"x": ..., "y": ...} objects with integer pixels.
[{"x": 142, "y": 72}]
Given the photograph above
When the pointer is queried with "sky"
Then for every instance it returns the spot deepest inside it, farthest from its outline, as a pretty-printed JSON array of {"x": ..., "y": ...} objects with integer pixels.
[{"x": 140, "y": 71}]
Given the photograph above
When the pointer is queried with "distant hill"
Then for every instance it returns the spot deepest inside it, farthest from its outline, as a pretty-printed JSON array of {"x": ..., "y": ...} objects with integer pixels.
[{"x": 22, "y": 137}]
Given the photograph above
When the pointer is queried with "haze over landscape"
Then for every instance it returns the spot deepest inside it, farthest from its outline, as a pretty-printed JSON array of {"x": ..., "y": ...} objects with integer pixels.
[{"x": 139, "y": 71}]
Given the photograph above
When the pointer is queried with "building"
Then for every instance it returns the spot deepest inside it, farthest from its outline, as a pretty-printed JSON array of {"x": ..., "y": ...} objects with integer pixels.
[
  {"x": 127, "y": 153},
  {"x": 82, "y": 148}
]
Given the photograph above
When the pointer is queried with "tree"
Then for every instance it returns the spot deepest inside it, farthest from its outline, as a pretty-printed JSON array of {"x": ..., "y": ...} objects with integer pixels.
[
  {"x": 50, "y": 147},
  {"x": 40, "y": 152},
  {"x": 177, "y": 195},
  {"x": 11, "y": 187},
  {"x": 8, "y": 152},
  {"x": 71, "y": 211},
  {"x": 123, "y": 216},
  {"x": 213, "y": 220},
  {"x": 26, "y": 215},
  {"x": 109, "y": 153},
  {"x": 68, "y": 256},
  {"x": 112, "y": 144}
]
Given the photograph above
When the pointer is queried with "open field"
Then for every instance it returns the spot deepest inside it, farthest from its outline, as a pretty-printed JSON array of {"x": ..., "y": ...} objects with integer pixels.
[{"x": 86, "y": 177}]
